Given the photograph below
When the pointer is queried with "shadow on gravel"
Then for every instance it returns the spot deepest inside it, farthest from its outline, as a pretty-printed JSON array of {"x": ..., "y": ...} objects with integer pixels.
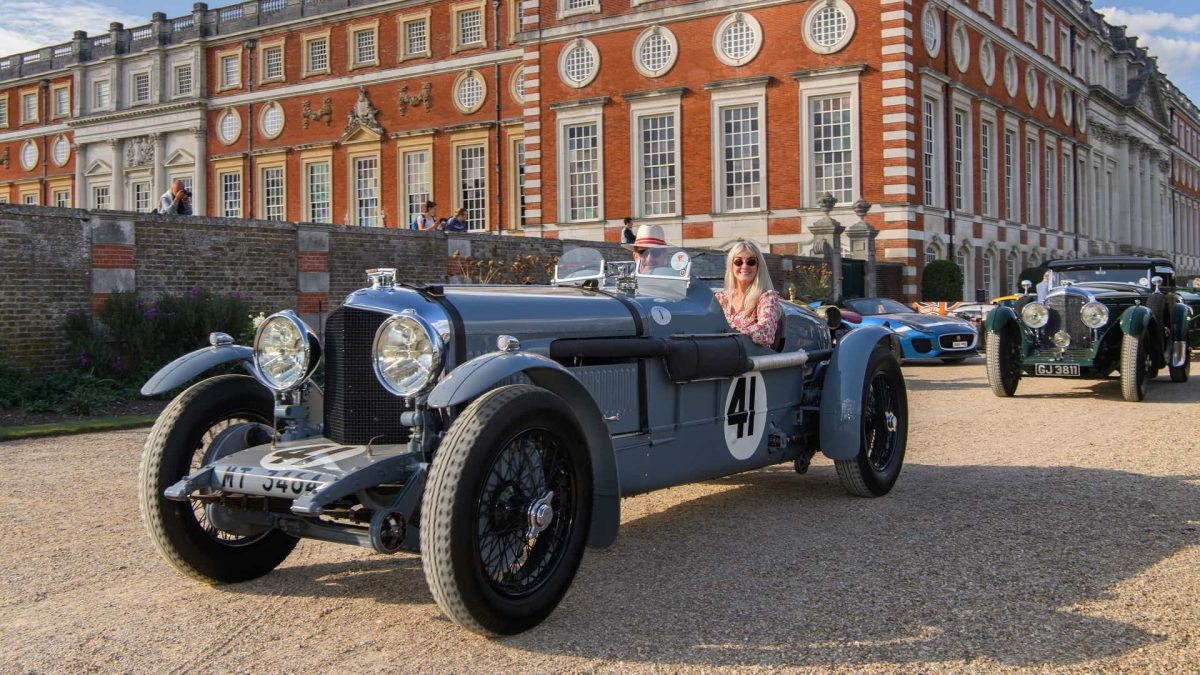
[
  {"x": 957, "y": 563},
  {"x": 777, "y": 569}
]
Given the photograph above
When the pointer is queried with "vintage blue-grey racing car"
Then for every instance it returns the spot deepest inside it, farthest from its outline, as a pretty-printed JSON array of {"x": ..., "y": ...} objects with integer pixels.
[{"x": 495, "y": 429}]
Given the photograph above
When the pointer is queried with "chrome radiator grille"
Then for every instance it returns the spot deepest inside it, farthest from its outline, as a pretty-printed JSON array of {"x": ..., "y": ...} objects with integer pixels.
[
  {"x": 357, "y": 408},
  {"x": 1064, "y": 315}
]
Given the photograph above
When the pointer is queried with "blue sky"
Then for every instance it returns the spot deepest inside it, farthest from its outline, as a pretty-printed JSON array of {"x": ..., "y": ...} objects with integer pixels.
[{"x": 1170, "y": 28}]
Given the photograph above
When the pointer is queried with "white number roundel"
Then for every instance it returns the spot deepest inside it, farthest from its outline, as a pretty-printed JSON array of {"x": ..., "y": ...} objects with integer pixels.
[{"x": 745, "y": 415}]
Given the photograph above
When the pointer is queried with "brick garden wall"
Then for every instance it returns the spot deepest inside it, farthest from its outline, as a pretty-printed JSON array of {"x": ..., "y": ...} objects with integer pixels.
[{"x": 55, "y": 261}]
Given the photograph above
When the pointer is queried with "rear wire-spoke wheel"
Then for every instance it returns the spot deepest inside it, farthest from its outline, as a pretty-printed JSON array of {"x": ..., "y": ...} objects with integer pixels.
[
  {"x": 182, "y": 442},
  {"x": 884, "y": 425},
  {"x": 1137, "y": 366},
  {"x": 1004, "y": 362},
  {"x": 506, "y": 511}
]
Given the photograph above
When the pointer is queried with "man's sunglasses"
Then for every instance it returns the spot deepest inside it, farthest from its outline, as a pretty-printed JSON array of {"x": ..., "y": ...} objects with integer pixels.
[{"x": 749, "y": 262}]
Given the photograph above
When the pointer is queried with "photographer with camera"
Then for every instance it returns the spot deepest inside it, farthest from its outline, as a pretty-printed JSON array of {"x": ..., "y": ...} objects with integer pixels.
[{"x": 177, "y": 200}]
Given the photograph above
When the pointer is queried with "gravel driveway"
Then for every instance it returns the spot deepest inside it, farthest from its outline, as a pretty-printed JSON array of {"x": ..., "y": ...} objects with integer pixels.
[{"x": 1058, "y": 529}]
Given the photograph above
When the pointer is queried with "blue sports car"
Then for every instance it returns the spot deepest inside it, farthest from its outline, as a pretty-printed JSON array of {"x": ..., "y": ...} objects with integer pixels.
[{"x": 922, "y": 336}]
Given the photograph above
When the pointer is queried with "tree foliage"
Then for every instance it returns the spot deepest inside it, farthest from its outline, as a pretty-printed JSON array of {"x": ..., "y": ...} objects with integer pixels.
[{"x": 942, "y": 282}]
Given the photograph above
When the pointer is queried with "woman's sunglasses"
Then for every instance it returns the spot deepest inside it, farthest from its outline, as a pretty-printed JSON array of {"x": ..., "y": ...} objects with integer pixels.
[{"x": 749, "y": 262}]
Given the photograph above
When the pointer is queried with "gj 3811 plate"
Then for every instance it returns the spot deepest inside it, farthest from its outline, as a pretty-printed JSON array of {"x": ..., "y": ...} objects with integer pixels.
[{"x": 1057, "y": 369}]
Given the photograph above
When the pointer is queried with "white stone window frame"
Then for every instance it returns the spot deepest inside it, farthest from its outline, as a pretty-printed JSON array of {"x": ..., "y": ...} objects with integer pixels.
[
  {"x": 1050, "y": 182},
  {"x": 756, "y": 34},
  {"x": 306, "y": 180},
  {"x": 352, "y": 32},
  {"x": 663, "y": 32},
  {"x": 61, "y": 138},
  {"x": 101, "y": 186},
  {"x": 989, "y": 188},
  {"x": 1031, "y": 166},
  {"x": 176, "y": 69},
  {"x": 811, "y": 15},
  {"x": 1009, "y": 15},
  {"x": 263, "y": 47},
  {"x": 578, "y": 43},
  {"x": 458, "y": 83},
  {"x": 30, "y": 151},
  {"x": 263, "y": 188},
  {"x": 563, "y": 12},
  {"x": 262, "y": 120},
  {"x": 402, "y": 23},
  {"x": 1012, "y": 75},
  {"x": 826, "y": 87},
  {"x": 931, "y": 39},
  {"x": 987, "y": 7},
  {"x": 964, "y": 257},
  {"x": 236, "y": 54},
  {"x": 220, "y": 121},
  {"x": 458, "y": 44},
  {"x": 987, "y": 61},
  {"x": 961, "y": 104},
  {"x": 306, "y": 41},
  {"x": 28, "y": 116},
  {"x": 570, "y": 117},
  {"x": 1013, "y": 183},
  {"x": 1031, "y": 86},
  {"x": 752, "y": 94},
  {"x": 1029, "y": 17},
  {"x": 960, "y": 46},
  {"x": 931, "y": 90},
  {"x": 4, "y": 111},
  {"x": 1064, "y": 46},
  {"x": 653, "y": 107},
  {"x": 1049, "y": 34},
  {"x": 231, "y": 208},
  {"x": 470, "y": 142},
  {"x": 97, "y": 85},
  {"x": 516, "y": 84},
  {"x": 54, "y": 90},
  {"x": 140, "y": 183},
  {"x": 132, "y": 81}
]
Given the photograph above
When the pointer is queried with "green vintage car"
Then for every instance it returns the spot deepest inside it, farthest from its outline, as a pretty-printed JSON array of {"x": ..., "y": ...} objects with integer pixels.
[{"x": 1091, "y": 317}]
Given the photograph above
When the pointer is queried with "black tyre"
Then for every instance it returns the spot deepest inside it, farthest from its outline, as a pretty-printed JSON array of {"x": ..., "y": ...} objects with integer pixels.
[
  {"x": 493, "y": 560},
  {"x": 1137, "y": 367},
  {"x": 884, "y": 426},
  {"x": 179, "y": 444},
  {"x": 953, "y": 359},
  {"x": 1181, "y": 373},
  {"x": 1004, "y": 362}
]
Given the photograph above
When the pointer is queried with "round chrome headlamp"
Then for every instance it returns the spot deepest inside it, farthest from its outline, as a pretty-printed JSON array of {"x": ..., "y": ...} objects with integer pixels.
[
  {"x": 1061, "y": 339},
  {"x": 1094, "y": 314},
  {"x": 407, "y": 354},
  {"x": 286, "y": 351},
  {"x": 1035, "y": 315}
]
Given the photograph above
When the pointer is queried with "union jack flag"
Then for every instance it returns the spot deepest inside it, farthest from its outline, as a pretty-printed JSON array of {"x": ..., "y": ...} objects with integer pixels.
[{"x": 938, "y": 308}]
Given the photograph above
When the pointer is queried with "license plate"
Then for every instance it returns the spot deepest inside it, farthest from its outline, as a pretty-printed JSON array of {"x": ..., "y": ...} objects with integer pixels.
[
  {"x": 1059, "y": 369},
  {"x": 961, "y": 344}
]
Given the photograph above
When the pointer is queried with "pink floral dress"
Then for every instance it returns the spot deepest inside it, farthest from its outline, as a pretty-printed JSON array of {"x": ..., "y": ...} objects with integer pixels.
[{"x": 760, "y": 326}]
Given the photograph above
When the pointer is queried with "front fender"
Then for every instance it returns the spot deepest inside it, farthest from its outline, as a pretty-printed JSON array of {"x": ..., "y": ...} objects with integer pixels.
[
  {"x": 484, "y": 372},
  {"x": 1181, "y": 320},
  {"x": 998, "y": 318},
  {"x": 181, "y": 371},
  {"x": 1135, "y": 320},
  {"x": 841, "y": 396}
]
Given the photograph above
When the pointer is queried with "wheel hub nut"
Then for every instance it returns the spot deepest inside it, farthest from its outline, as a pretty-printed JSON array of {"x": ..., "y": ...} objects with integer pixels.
[{"x": 890, "y": 421}]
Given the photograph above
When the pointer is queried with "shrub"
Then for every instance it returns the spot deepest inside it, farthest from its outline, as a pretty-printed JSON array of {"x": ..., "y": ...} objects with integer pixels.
[
  {"x": 134, "y": 337},
  {"x": 942, "y": 282},
  {"x": 1033, "y": 275},
  {"x": 70, "y": 391}
]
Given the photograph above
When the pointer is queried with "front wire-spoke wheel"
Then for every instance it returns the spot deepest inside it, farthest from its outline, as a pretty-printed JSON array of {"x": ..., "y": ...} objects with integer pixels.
[
  {"x": 884, "y": 430},
  {"x": 506, "y": 511},
  {"x": 184, "y": 440},
  {"x": 1137, "y": 366},
  {"x": 1004, "y": 362}
]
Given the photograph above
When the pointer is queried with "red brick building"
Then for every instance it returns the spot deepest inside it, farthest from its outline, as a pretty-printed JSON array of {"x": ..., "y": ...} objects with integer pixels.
[{"x": 999, "y": 133}]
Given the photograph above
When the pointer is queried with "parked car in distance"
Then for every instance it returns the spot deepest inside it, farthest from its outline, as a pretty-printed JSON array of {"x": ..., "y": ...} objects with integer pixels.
[
  {"x": 921, "y": 336},
  {"x": 495, "y": 429},
  {"x": 975, "y": 312},
  {"x": 1091, "y": 317}
]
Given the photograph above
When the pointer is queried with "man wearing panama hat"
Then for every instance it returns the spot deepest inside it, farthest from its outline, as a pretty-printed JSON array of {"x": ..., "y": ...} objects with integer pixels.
[{"x": 650, "y": 248}]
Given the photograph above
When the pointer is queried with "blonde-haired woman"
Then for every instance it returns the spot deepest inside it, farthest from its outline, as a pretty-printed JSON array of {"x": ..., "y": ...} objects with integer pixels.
[{"x": 749, "y": 300}]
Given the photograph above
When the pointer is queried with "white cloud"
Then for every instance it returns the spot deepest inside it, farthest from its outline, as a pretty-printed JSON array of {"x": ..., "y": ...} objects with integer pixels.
[
  {"x": 26, "y": 25},
  {"x": 1173, "y": 38}
]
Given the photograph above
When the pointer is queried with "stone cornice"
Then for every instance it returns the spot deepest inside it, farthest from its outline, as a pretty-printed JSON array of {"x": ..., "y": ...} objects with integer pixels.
[{"x": 93, "y": 120}]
